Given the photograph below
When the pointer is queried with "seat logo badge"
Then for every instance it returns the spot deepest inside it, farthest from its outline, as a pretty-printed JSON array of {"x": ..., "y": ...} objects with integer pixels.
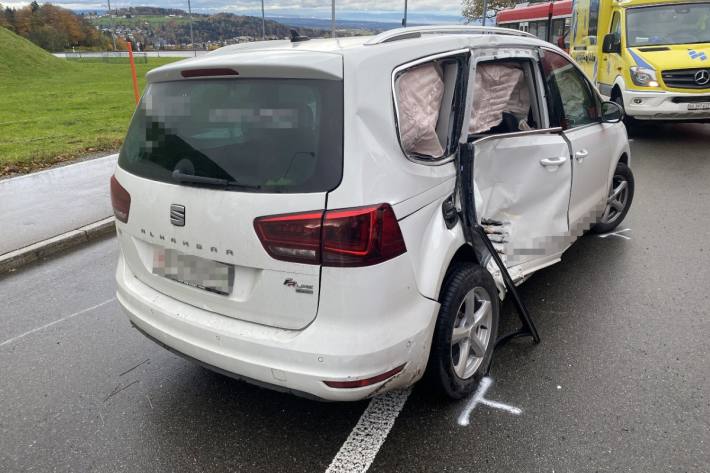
[
  {"x": 177, "y": 215},
  {"x": 302, "y": 288},
  {"x": 702, "y": 77}
]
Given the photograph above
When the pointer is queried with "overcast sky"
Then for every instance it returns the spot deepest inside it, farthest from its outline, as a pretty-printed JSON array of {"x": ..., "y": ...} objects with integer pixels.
[{"x": 316, "y": 8}]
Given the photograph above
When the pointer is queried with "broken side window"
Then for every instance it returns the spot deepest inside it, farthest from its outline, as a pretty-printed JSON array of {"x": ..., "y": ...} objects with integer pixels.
[
  {"x": 504, "y": 98},
  {"x": 426, "y": 98}
]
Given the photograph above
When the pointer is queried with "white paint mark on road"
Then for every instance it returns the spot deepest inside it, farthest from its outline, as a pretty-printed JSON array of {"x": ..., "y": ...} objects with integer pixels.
[
  {"x": 617, "y": 233},
  {"x": 478, "y": 398},
  {"x": 360, "y": 448},
  {"x": 88, "y": 309}
]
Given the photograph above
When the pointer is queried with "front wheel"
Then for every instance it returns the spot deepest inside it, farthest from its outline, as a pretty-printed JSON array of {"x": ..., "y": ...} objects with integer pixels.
[
  {"x": 630, "y": 122},
  {"x": 621, "y": 193},
  {"x": 465, "y": 333}
]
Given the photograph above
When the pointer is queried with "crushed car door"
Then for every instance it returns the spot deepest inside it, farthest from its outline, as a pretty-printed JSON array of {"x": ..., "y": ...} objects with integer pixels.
[
  {"x": 521, "y": 171},
  {"x": 522, "y": 189}
]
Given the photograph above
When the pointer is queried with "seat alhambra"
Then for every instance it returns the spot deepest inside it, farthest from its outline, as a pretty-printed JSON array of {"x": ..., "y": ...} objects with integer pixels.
[{"x": 288, "y": 212}]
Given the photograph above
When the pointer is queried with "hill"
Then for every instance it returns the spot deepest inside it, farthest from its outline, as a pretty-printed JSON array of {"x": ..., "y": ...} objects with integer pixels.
[
  {"x": 53, "y": 28},
  {"x": 157, "y": 28},
  {"x": 21, "y": 58}
]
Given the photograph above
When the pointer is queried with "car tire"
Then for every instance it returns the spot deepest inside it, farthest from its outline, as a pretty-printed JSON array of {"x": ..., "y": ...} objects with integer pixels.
[
  {"x": 469, "y": 301},
  {"x": 616, "y": 210}
]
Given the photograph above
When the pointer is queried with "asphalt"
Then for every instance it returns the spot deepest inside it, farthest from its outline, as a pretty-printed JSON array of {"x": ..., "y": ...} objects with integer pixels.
[
  {"x": 42, "y": 205},
  {"x": 619, "y": 383}
]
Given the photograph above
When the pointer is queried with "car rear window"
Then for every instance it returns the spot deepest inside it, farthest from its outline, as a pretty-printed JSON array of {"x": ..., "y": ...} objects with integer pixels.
[{"x": 261, "y": 135}]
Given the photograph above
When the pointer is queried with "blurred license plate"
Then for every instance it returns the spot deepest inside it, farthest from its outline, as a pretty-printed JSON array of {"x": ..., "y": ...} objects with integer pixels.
[
  {"x": 194, "y": 271},
  {"x": 699, "y": 106}
]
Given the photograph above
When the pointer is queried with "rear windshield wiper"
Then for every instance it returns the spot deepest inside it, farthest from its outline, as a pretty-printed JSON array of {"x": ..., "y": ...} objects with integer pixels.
[{"x": 183, "y": 178}]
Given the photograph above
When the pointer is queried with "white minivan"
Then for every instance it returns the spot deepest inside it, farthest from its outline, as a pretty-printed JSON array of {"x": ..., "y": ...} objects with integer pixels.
[{"x": 290, "y": 213}]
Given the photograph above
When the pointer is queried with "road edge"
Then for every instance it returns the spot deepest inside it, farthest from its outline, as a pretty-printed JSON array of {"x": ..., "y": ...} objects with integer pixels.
[{"x": 17, "y": 258}]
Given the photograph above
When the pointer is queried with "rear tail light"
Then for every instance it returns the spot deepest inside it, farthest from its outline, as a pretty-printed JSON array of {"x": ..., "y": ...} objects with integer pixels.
[
  {"x": 292, "y": 237},
  {"x": 120, "y": 199},
  {"x": 350, "y": 237},
  {"x": 361, "y": 237},
  {"x": 361, "y": 383}
]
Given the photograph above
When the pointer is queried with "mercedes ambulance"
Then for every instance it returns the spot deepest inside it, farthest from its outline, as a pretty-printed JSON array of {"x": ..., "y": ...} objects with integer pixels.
[{"x": 650, "y": 56}]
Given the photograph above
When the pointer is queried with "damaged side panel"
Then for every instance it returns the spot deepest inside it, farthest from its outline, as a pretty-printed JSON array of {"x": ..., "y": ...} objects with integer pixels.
[{"x": 522, "y": 186}]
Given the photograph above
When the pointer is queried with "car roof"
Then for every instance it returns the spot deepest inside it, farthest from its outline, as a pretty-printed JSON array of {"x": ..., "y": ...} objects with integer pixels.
[
  {"x": 324, "y": 58},
  {"x": 344, "y": 44}
]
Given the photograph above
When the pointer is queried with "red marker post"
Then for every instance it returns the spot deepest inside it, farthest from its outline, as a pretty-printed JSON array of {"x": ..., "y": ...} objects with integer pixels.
[{"x": 133, "y": 72}]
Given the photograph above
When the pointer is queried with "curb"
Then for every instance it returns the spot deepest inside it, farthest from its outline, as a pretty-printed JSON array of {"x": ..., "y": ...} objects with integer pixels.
[{"x": 14, "y": 259}]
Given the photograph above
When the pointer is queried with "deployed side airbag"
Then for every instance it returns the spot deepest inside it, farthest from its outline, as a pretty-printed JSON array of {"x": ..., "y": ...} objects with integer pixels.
[
  {"x": 498, "y": 88},
  {"x": 419, "y": 93}
]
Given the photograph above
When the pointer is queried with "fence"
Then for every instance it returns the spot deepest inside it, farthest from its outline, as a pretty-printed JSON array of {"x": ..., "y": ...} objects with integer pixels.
[{"x": 120, "y": 57}]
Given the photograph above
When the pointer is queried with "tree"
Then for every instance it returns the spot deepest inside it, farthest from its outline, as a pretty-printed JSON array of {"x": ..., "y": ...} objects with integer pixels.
[{"x": 473, "y": 9}]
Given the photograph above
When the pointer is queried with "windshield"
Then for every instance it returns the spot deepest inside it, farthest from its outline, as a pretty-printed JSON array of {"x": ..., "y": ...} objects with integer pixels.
[
  {"x": 268, "y": 135},
  {"x": 668, "y": 24}
]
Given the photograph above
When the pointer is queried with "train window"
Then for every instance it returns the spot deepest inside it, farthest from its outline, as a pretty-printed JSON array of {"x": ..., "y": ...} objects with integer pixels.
[{"x": 559, "y": 33}]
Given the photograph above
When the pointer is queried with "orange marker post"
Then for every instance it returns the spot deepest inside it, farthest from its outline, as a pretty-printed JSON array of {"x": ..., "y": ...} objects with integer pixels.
[{"x": 133, "y": 72}]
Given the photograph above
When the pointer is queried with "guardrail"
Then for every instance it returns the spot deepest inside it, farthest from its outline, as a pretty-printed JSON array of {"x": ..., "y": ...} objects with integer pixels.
[{"x": 110, "y": 57}]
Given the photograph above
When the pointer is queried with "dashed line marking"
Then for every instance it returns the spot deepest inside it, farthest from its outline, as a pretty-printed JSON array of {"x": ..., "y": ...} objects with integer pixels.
[
  {"x": 88, "y": 309},
  {"x": 361, "y": 447},
  {"x": 483, "y": 386}
]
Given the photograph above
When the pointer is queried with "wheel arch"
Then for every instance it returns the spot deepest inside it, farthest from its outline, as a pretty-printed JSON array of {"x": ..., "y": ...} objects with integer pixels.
[{"x": 624, "y": 158}]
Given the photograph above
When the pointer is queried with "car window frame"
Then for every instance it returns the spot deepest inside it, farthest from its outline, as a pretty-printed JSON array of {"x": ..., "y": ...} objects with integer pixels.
[
  {"x": 484, "y": 53},
  {"x": 459, "y": 95}
]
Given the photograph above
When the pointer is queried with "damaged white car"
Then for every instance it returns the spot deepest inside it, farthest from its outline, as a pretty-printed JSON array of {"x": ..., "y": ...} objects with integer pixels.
[{"x": 300, "y": 214}]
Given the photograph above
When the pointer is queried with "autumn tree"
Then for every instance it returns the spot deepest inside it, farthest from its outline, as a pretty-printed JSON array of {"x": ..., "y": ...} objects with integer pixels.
[
  {"x": 52, "y": 28},
  {"x": 473, "y": 9}
]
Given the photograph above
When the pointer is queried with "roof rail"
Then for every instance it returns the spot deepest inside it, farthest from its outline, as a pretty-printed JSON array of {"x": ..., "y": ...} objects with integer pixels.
[{"x": 417, "y": 32}]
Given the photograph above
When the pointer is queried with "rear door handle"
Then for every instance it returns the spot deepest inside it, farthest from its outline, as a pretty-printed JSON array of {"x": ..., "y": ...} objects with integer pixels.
[
  {"x": 581, "y": 154},
  {"x": 552, "y": 164}
]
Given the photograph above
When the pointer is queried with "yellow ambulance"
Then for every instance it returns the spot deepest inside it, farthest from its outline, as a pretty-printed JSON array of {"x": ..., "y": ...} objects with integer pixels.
[{"x": 651, "y": 56}]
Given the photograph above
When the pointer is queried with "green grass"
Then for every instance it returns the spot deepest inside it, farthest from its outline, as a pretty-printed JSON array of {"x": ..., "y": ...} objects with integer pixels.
[{"x": 52, "y": 110}]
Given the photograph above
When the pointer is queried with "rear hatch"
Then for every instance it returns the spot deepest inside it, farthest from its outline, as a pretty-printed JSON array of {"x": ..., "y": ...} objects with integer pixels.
[{"x": 202, "y": 160}]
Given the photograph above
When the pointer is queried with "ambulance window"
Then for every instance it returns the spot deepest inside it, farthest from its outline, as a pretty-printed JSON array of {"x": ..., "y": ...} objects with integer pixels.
[
  {"x": 616, "y": 25},
  {"x": 593, "y": 17}
]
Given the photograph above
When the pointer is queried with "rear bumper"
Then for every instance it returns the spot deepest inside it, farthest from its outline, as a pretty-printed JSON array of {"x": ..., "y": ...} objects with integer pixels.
[
  {"x": 662, "y": 106},
  {"x": 288, "y": 360}
]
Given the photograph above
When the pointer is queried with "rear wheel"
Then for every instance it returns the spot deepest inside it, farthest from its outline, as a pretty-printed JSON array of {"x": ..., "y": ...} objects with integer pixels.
[
  {"x": 465, "y": 333},
  {"x": 621, "y": 193}
]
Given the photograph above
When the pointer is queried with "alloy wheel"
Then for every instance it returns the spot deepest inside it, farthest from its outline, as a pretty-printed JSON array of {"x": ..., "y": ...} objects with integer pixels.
[
  {"x": 471, "y": 334},
  {"x": 617, "y": 200}
]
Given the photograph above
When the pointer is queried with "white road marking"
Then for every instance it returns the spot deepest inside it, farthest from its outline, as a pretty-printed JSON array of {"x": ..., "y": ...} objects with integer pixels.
[
  {"x": 360, "y": 448},
  {"x": 617, "y": 233},
  {"x": 88, "y": 309},
  {"x": 479, "y": 399}
]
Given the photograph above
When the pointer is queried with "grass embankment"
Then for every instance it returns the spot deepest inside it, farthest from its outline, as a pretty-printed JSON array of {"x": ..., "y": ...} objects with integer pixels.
[{"x": 52, "y": 110}]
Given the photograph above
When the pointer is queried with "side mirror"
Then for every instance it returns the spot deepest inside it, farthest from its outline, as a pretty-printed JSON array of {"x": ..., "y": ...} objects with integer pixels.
[
  {"x": 611, "y": 44},
  {"x": 612, "y": 112}
]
